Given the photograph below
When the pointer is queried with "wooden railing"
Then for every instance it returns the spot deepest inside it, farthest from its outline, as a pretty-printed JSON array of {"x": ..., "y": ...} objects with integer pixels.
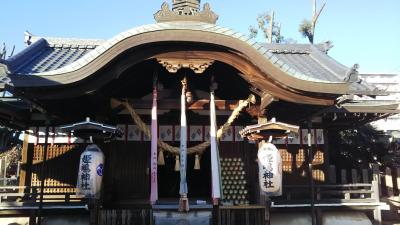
[
  {"x": 388, "y": 178},
  {"x": 23, "y": 194},
  {"x": 330, "y": 193},
  {"x": 243, "y": 215},
  {"x": 356, "y": 189},
  {"x": 390, "y": 181}
]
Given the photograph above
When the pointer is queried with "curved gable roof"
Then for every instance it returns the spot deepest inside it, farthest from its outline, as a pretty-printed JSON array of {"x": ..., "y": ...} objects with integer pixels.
[{"x": 298, "y": 68}]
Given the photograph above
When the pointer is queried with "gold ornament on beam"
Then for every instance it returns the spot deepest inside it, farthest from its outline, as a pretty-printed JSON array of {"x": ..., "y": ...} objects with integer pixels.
[{"x": 174, "y": 64}]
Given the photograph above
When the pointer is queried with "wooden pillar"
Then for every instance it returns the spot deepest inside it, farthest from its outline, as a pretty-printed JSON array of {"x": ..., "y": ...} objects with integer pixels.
[
  {"x": 377, "y": 216},
  {"x": 43, "y": 173},
  {"x": 365, "y": 176},
  {"x": 327, "y": 151},
  {"x": 216, "y": 217},
  {"x": 94, "y": 211},
  {"x": 354, "y": 176},
  {"x": 26, "y": 164},
  {"x": 319, "y": 216},
  {"x": 3, "y": 171},
  {"x": 332, "y": 174},
  {"x": 25, "y": 176},
  {"x": 376, "y": 177},
  {"x": 343, "y": 176},
  {"x": 32, "y": 218},
  {"x": 377, "y": 210},
  {"x": 398, "y": 179},
  {"x": 310, "y": 157},
  {"x": 389, "y": 182}
]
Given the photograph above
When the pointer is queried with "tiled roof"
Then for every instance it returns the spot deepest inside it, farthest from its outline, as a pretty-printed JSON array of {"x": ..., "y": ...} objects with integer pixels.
[
  {"x": 47, "y": 54},
  {"x": 211, "y": 28},
  {"x": 313, "y": 61},
  {"x": 53, "y": 56},
  {"x": 309, "y": 60}
]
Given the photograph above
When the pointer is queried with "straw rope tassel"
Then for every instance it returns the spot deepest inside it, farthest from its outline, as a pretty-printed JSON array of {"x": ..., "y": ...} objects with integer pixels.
[
  {"x": 197, "y": 162},
  {"x": 161, "y": 160},
  {"x": 177, "y": 166}
]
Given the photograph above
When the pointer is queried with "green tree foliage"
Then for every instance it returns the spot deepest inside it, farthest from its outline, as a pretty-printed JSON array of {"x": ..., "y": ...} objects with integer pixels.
[
  {"x": 271, "y": 30},
  {"x": 253, "y": 31},
  {"x": 8, "y": 138},
  {"x": 306, "y": 30},
  {"x": 10, "y": 148},
  {"x": 357, "y": 147}
]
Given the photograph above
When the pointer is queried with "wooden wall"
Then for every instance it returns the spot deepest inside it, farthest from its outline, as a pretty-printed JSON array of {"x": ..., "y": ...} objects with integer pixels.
[
  {"x": 294, "y": 164},
  {"x": 126, "y": 176}
]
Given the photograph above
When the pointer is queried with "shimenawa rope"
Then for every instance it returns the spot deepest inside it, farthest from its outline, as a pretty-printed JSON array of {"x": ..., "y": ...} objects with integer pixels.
[{"x": 198, "y": 149}]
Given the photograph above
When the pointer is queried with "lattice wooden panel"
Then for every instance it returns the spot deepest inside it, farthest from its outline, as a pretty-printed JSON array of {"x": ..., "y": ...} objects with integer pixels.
[
  {"x": 234, "y": 184},
  {"x": 59, "y": 169}
]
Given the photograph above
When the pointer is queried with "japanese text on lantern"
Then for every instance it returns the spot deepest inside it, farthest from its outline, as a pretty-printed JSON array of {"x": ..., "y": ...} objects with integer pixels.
[
  {"x": 268, "y": 171},
  {"x": 85, "y": 168}
]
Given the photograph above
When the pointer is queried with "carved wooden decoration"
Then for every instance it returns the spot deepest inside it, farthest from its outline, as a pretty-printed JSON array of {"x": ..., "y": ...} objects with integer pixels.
[
  {"x": 185, "y": 13},
  {"x": 197, "y": 65},
  {"x": 266, "y": 100}
]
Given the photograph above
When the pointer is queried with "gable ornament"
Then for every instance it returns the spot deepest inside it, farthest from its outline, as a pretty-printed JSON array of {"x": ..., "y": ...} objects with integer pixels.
[{"x": 185, "y": 12}]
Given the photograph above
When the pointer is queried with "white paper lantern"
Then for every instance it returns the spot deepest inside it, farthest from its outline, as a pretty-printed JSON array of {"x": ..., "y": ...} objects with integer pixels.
[
  {"x": 90, "y": 174},
  {"x": 270, "y": 169}
]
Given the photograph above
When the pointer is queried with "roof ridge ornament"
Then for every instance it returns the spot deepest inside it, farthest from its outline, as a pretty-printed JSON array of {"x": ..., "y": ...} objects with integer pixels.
[
  {"x": 352, "y": 75},
  {"x": 186, "y": 10},
  {"x": 3, "y": 72}
]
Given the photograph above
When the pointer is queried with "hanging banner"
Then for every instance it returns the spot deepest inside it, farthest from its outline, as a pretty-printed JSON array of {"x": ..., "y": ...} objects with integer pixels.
[
  {"x": 183, "y": 146},
  {"x": 166, "y": 132},
  {"x": 270, "y": 170},
  {"x": 90, "y": 174},
  {"x": 215, "y": 169},
  {"x": 154, "y": 137}
]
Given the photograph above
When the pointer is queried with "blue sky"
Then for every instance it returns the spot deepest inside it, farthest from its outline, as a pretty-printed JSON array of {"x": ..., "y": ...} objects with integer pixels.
[{"x": 364, "y": 32}]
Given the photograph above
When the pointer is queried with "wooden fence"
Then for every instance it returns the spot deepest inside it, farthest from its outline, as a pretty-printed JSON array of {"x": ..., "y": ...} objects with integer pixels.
[
  {"x": 124, "y": 216},
  {"x": 390, "y": 181},
  {"x": 246, "y": 215}
]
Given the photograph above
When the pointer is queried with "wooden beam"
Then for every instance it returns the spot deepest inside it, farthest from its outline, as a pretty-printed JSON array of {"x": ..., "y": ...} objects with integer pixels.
[
  {"x": 201, "y": 104},
  {"x": 257, "y": 78},
  {"x": 266, "y": 100}
]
